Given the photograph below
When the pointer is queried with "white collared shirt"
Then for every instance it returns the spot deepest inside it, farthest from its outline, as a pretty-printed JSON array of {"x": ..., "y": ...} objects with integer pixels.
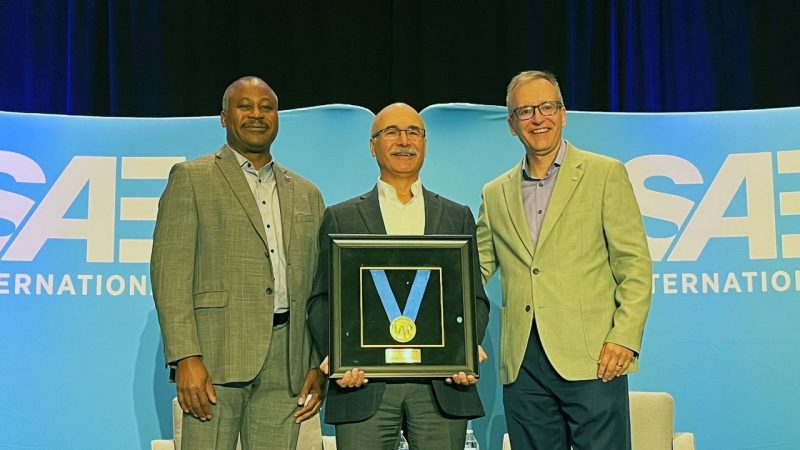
[{"x": 398, "y": 217}]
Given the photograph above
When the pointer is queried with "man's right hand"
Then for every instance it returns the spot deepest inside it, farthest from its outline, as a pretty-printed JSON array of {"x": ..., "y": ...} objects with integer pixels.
[
  {"x": 195, "y": 391},
  {"x": 351, "y": 379}
]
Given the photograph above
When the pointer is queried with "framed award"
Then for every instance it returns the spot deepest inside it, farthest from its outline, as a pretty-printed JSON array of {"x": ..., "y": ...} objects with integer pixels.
[{"x": 402, "y": 306}]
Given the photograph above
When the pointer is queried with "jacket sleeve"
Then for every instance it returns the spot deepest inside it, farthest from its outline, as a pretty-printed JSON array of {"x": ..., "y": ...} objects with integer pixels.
[
  {"x": 629, "y": 257},
  {"x": 318, "y": 309},
  {"x": 485, "y": 242},
  {"x": 481, "y": 299},
  {"x": 315, "y": 356},
  {"x": 172, "y": 266}
]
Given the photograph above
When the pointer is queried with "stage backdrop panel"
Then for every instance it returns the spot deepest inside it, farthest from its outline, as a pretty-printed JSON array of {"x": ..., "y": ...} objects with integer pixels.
[{"x": 80, "y": 347}]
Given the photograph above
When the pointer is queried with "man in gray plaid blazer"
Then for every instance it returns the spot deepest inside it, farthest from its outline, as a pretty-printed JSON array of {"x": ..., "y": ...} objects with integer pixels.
[{"x": 234, "y": 253}]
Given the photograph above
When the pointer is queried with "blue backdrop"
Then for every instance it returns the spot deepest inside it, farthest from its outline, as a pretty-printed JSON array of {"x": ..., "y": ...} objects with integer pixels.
[{"x": 80, "y": 348}]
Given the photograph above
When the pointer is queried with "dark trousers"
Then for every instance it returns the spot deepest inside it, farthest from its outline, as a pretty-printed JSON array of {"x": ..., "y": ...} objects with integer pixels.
[
  {"x": 546, "y": 412},
  {"x": 413, "y": 407}
]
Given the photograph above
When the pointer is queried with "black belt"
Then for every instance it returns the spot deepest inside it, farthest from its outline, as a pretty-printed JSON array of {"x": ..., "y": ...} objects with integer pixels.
[{"x": 280, "y": 318}]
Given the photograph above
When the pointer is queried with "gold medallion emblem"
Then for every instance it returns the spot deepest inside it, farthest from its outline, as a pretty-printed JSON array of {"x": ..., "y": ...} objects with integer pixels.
[{"x": 403, "y": 329}]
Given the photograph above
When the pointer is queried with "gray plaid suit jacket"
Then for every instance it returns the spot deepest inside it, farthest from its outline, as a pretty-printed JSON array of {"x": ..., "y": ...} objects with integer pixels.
[
  {"x": 210, "y": 269},
  {"x": 362, "y": 215}
]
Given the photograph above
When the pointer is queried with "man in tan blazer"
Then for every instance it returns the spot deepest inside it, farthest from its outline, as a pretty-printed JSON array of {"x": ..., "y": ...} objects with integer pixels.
[
  {"x": 564, "y": 228},
  {"x": 234, "y": 253}
]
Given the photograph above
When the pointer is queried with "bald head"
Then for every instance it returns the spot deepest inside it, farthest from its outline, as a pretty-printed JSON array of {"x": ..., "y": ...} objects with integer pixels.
[
  {"x": 244, "y": 81},
  {"x": 250, "y": 117},
  {"x": 396, "y": 112},
  {"x": 398, "y": 144}
]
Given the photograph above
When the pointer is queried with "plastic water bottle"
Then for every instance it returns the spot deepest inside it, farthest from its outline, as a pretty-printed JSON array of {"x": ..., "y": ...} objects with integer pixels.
[
  {"x": 471, "y": 443},
  {"x": 403, "y": 445}
]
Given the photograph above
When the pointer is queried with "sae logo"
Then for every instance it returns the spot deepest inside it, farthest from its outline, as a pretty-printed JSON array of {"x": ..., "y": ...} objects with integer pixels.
[
  {"x": 750, "y": 173},
  {"x": 742, "y": 203},
  {"x": 89, "y": 185},
  {"x": 36, "y": 221}
]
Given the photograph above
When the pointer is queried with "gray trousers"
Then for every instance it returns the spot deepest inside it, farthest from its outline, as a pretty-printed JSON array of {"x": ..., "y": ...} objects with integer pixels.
[
  {"x": 413, "y": 407},
  {"x": 260, "y": 410}
]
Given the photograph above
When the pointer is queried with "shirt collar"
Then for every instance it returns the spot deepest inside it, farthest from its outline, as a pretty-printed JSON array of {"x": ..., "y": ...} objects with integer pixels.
[
  {"x": 243, "y": 162},
  {"x": 386, "y": 190},
  {"x": 562, "y": 150}
]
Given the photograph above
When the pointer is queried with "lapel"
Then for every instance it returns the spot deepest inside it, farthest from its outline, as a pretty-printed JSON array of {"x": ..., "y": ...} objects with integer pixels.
[
  {"x": 370, "y": 209},
  {"x": 512, "y": 192},
  {"x": 285, "y": 186},
  {"x": 433, "y": 211},
  {"x": 229, "y": 166},
  {"x": 569, "y": 176}
]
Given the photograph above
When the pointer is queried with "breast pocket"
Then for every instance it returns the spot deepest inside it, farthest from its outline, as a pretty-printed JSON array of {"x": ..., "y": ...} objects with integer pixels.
[{"x": 303, "y": 225}]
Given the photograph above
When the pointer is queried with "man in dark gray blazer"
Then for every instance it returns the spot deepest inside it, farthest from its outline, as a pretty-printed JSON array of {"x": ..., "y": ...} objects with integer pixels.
[
  {"x": 234, "y": 253},
  {"x": 433, "y": 412}
]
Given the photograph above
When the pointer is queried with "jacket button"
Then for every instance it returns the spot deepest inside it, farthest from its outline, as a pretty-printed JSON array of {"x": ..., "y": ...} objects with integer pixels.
[
  {"x": 535, "y": 271},
  {"x": 269, "y": 291},
  {"x": 527, "y": 308}
]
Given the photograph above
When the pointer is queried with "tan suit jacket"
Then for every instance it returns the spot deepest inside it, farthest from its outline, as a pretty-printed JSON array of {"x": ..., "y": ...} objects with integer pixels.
[
  {"x": 211, "y": 274},
  {"x": 586, "y": 280}
]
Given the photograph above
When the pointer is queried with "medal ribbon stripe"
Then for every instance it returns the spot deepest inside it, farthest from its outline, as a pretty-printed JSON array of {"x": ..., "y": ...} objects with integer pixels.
[{"x": 389, "y": 300}]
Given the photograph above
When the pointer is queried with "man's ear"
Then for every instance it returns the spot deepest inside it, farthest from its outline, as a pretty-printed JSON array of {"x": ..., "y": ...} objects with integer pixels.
[
  {"x": 511, "y": 126},
  {"x": 223, "y": 120}
]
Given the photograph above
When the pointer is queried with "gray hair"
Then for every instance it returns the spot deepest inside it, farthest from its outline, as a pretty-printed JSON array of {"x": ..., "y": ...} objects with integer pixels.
[{"x": 530, "y": 75}]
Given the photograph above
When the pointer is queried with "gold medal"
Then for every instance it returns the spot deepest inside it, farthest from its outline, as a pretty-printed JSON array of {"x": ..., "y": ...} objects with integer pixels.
[{"x": 403, "y": 329}]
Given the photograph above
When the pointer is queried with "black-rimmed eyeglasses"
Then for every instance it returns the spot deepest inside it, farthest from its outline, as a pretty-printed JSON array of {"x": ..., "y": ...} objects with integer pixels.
[{"x": 528, "y": 111}]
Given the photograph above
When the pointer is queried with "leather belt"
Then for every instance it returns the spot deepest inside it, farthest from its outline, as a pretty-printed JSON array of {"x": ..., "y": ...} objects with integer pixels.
[{"x": 280, "y": 318}]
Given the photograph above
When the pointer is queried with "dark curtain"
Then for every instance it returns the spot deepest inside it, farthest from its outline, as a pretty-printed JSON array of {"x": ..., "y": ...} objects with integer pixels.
[{"x": 175, "y": 58}]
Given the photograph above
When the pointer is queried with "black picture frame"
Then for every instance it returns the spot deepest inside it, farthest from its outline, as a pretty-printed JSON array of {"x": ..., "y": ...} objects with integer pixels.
[{"x": 440, "y": 339}]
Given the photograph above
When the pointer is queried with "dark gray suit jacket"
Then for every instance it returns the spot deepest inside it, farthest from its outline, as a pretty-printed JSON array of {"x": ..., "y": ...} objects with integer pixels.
[{"x": 362, "y": 215}]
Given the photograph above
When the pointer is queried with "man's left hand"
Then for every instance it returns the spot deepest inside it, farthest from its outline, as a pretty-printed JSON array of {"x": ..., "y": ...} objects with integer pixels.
[
  {"x": 614, "y": 361},
  {"x": 463, "y": 378},
  {"x": 311, "y": 395}
]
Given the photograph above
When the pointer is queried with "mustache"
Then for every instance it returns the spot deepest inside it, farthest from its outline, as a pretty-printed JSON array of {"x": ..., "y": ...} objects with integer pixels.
[
  {"x": 404, "y": 151},
  {"x": 255, "y": 123}
]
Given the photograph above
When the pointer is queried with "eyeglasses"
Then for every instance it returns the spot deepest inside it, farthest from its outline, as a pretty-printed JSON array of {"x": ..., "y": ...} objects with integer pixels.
[
  {"x": 545, "y": 109},
  {"x": 392, "y": 133}
]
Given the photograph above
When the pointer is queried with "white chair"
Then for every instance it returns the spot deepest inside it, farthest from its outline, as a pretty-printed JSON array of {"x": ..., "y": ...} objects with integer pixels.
[
  {"x": 310, "y": 433},
  {"x": 652, "y": 424}
]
